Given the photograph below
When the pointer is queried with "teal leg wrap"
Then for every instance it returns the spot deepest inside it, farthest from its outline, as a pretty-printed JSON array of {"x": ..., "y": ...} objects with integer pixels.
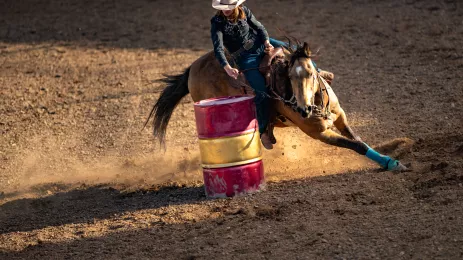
[{"x": 383, "y": 160}]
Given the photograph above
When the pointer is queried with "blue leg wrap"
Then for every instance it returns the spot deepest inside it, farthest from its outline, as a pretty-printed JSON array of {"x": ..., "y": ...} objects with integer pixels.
[
  {"x": 383, "y": 160},
  {"x": 377, "y": 157}
]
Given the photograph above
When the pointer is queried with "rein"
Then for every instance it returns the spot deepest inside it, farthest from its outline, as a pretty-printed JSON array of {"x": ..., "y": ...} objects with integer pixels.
[
  {"x": 323, "y": 111},
  {"x": 319, "y": 111},
  {"x": 291, "y": 102}
]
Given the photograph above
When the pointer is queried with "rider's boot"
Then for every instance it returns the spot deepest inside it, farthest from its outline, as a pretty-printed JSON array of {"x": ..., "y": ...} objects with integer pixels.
[
  {"x": 271, "y": 122},
  {"x": 271, "y": 135},
  {"x": 266, "y": 142}
]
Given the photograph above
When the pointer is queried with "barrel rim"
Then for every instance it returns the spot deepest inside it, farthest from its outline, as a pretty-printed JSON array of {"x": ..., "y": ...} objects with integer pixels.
[
  {"x": 198, "y": 104},
  {"x": 225, "y": 165}
]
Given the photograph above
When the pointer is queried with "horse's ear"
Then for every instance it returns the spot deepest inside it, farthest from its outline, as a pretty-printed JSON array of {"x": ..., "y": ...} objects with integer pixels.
[
  {"x": 306, "y": 49},
  {"x": 287, "y": 53}
]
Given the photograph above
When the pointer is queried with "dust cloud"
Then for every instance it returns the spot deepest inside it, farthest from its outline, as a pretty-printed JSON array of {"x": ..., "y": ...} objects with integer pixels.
[
  {"x": 49, "y": 161},
  {"x": 299, "y": 156}
]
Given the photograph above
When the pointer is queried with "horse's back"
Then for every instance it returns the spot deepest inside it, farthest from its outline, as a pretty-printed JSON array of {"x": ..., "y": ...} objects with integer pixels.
[{"x": 208, "y": 79}]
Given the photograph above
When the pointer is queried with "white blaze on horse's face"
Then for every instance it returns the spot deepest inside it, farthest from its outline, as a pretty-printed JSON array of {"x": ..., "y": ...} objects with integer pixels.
[
  {"x": 303, "y": 84},
  {"x": 299, "y": 70}
]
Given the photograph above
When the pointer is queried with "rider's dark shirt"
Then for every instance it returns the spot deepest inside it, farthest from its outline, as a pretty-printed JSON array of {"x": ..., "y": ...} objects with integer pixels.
[{"x": 233, "y": 35}]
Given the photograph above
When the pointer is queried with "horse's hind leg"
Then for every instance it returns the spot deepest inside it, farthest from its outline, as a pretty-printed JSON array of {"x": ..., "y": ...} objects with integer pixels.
[
  {"x": 343, "y": 127},
  {"x": 331, "y": 137}
]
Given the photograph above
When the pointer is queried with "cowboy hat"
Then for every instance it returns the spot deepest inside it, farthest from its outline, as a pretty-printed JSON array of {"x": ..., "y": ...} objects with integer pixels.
[{"x": 226, "y": 4}]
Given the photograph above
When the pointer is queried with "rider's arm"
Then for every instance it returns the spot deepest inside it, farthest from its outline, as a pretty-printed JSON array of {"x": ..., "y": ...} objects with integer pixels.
[
  {"x": 217, "y": 41},
  {"x": 256, "y": 25}
]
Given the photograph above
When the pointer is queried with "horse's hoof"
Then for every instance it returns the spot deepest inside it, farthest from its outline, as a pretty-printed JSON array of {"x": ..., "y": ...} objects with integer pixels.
[
  {"x": 396, "y": 166},
  {"x": 266, "y": 142},
  {"x": 273, "y": 139},
  {"x": 268, "y": 146}
]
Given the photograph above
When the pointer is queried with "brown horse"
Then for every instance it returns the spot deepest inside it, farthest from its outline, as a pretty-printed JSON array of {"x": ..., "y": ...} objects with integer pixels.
[{"x": 316, "y": 108}]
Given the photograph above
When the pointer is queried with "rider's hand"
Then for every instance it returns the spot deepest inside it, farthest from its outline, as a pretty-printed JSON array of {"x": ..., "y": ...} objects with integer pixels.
[
  {"x": 268, "y": 46},
  {"x": 232, "y": 72}
]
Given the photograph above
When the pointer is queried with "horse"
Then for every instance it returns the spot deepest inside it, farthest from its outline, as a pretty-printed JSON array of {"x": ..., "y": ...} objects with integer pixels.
[{"x": 299, "y": 94}]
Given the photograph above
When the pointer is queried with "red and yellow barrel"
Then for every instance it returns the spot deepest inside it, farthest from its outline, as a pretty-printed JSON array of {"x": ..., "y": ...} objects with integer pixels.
[{"x": 230, "y": 146}]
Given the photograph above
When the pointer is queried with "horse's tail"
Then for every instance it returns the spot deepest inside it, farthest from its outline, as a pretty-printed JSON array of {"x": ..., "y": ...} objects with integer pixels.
[{"x": 177, "y": 88}]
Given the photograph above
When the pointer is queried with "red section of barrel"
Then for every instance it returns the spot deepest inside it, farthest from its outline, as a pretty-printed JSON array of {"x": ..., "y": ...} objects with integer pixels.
[
  {"x": 232, "y": 181},
  {"x": 225, "y": 116},
  {"x": 222, "y": 124}
]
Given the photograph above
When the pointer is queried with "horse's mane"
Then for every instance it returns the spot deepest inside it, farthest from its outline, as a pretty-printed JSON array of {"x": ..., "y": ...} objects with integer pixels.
[
  {"x": 280, "y": 84},
  {"x": 298, "y": 49}
]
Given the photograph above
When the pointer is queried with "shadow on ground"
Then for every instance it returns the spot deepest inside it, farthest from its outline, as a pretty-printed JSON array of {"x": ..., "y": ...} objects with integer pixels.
[
  {"x": 85, "y": 204},
  {"x": 326, "y": 217}
]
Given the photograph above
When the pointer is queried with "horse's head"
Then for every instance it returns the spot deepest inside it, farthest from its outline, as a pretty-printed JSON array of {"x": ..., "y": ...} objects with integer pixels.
[{"x": 303, "y": 76}]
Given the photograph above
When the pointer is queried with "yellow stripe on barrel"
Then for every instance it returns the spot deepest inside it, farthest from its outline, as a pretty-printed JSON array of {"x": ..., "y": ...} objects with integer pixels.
[{"x": 230, "y": 151}]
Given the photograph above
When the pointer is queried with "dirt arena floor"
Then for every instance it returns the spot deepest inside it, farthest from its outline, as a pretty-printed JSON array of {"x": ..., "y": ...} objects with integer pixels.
[{"x": 81, "y": 179}]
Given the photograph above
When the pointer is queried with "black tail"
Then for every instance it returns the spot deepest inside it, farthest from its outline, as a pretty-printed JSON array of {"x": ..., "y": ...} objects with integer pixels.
[{"x": 177, "y": 88}]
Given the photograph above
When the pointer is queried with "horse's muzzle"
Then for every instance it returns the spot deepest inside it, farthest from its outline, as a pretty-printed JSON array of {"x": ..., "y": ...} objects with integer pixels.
[{"x": 305, "y": 113}]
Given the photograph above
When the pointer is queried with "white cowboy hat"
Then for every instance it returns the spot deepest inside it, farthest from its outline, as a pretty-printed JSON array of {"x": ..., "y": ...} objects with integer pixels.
[{"x": 226, "y": 4}]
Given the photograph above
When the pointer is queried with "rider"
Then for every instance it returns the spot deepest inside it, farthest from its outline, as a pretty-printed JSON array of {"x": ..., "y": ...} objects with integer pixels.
[
  {"x": 246, "y": 39},
  {"x": 235, "y": 28}
]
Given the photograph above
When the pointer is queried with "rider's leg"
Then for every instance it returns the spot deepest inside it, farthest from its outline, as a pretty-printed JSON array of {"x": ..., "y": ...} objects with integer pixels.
[
  {"x": 257, "y": 82},
  {"x": 277, "y": 43}
]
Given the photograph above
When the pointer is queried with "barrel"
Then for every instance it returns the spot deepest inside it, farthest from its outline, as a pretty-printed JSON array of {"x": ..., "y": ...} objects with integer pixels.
[{"x": 229, "y": 144}]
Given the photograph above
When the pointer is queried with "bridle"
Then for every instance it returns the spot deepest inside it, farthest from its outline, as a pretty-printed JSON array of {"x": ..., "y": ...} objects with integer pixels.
[{"x": 319, "y": 111}]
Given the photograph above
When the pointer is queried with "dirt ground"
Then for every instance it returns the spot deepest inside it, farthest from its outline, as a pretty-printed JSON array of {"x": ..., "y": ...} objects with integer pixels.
[{"x": 80, "y": 178}]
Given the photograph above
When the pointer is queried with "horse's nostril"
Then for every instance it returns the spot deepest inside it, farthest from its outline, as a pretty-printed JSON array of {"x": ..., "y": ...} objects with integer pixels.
[
  {"x": 308, "y": 111},
  {"x": 302, "y": 112}
]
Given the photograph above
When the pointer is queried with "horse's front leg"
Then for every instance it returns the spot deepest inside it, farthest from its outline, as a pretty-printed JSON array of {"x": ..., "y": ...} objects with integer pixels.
[
  {"x": 341, "y": 124},
  {"x": 330, "y": 137},
  {"x": 339, "y": 117},
  {"x": 318, "y": 128}
]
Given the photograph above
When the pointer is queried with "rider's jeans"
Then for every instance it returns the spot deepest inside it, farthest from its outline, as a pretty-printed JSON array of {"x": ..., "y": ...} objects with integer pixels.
[{"x": 251, "y": 60}]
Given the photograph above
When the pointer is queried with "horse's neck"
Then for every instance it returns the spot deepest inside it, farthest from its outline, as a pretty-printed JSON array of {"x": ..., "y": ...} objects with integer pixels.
[
  {"x": 321, "y": 89},
  {"x": 314, "y": 75},
  {"x": 317, "y": 86},
  {"x": 280, "y": 79}
]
